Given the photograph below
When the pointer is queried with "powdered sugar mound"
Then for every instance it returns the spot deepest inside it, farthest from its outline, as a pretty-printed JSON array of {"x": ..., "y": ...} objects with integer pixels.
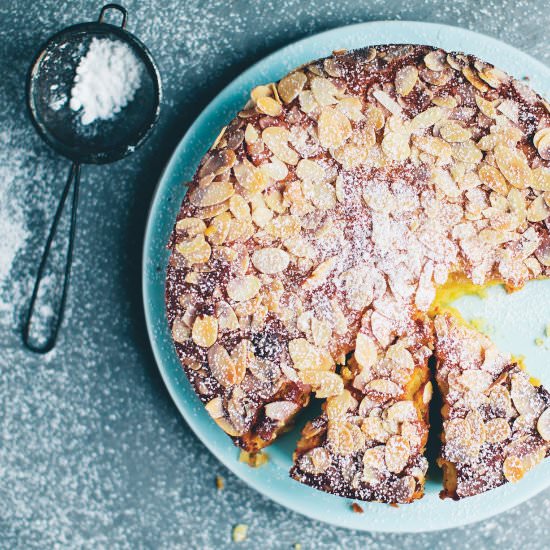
[{"x": 106, "y": 80}]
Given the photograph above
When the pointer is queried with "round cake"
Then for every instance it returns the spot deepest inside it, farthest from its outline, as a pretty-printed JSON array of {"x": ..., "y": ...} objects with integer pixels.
[{"x": 316, "y": 231}]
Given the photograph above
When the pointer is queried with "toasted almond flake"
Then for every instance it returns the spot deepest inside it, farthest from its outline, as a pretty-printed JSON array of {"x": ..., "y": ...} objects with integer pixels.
[
  {"x": 338, "y": 406},
  {"x": 195, "y": 251},
  {"x": 427, "y": 393},
  {"x": 251, "y": 178},
  {"x": 240, "y": 532},
  {"x": 190, "y": 227},
  {"x": 270, "y": 260},
  {"x": 524, "y": 396},
  {"x": 474, "y": 79},
  {"x": 541, "y": 179},
  {"x": 309, "y": 170},
  {"x": 475, "y": 380},
  {"x": 321, "y": 332},
  {"x": 351, "y": 107},
  {"x": 217, "y": 162},
  {"x": 445, "y": 101},
  {"x": 453, "y": 132},
  {"x": 537, "y": 210},
  {"x": 276, "y": 139},
  {"x": 513, "y": 468},
  {"x": 445, "y": 183},
  {"x": 386, "y": 101},
  {"x": 324, "y": 91},
  {"x": 401, "y": 411},
  {"x": 223, "y": 368},
  {"x": 251, "y": 135},
  {"x": 283, "y": 227},
  {"x": 492, "y": 177},
  {"x": 345, "y": 438},
  {"x": 497, "y": 430},
  {"x": 543, "y": 425},
  {"x": 227, "y": 320},
  {"x": 303, "y": 354},
  {"x": 205, "y": 331},
  {"x": 433, "y": 145},
  {"x": 180, "y": 331},
  {"x": 435, "y": 61},
  {"x": 281, "y": 410},
  {"x": 334, "y": 128},
  {"x": 215, "y": 407},
  {"x": 291, "y": 85},
  {"x": 493, "y": 76},
  {"x": 396, "y": 146},
  {"x": 215, "y": 193},
  {"x": 466, "y": 152},
  {"x": 325, "y": 384},
  {"x": 405, "y": 79},
  {"x": 384, "y": 387},
  {"x": 541, "y": 141},
  {"x": 374, "y": 116},
  {"x": 426, "y": 118},
  {"x": 365, "y": 350},
  {"x": 264, "y": 90},
  {"x": 239, "y": 207},
  {"x": 514, "y": 166},
  {"x": 269, "y": 106},
  {"x": 396, "y": 454},
  {"x": 488, "y": 108},
  {"x": 517, "y": 203},
  {"x": 320, "y": 273},
  {"x": 244, "y": 288},
  {"x": 227, "y": 427}
]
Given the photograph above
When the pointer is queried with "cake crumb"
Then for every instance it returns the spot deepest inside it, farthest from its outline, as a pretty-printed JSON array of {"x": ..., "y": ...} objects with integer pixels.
[
  {"x": 297, "y": 546},
  {"x": 254, "y": 460},
  {"x": 539, "y": 342},
  {"x": 240, "y": 532},
  {"x": 356, "y": 508},
  {"x": 220, "y": 483}
]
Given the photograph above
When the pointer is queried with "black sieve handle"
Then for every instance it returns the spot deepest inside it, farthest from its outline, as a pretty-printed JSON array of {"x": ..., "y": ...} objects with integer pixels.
[{"x": 43, "y": 346}]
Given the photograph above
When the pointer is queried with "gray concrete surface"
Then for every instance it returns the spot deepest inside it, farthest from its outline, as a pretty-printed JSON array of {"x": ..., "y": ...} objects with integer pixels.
[{"x": 93, "y": 453}]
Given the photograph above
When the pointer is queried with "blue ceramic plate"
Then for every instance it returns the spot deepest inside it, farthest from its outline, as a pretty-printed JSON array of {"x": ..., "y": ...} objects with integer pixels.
[{"x": 514, "y": 321}]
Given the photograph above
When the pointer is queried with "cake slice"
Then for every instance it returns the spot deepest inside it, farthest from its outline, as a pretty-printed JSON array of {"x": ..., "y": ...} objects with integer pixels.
[
  {"x": 369, "y": 442},
  {"x": 496, "y": 422}
]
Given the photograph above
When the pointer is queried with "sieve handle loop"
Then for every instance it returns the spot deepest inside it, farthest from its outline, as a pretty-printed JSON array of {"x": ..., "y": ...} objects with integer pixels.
[
  {"x": 57, "y": 311},
  {"x": 115, "y": 7}
]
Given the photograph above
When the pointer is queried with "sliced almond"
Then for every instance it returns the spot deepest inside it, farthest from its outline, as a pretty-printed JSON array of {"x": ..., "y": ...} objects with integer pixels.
[
  {"x": 396, "y": 454},
  {"x": 492, "y": 177},
  {"x": 243, "y": 288},
  {"x": 276, "y": 139},
  {"x": 215, "y": 193},
  {"x": 215, "y": 407},
  {"x": 334, "y": 128},
  {"x": 269, "y": 106},
  {"x": 453, "y": 132},
  {"x": 497, "y": 430},
  {"x": 227, "y": 320},
  {"x": 325, "y": 384},
  {"x": 543, "y": 425},
  {"x": 514, "y": 166},
  {"x": 365, "y": 350},
  {"x": 396, "y": 146},
  {"x": 195, "y": 251},
  {"x": 270, "y": 260},
  {"x": 291, "y": 85},
  {"x": 324, "y": 91},
  {"x": 475, "y": 380},
  {"x": 384, "y": 387},
  {"x": 513, "y": 468},
  {"x": 205, "y": 331},
  {"x": 223, "y": 368},
  {"x": 466, "y": 152},
  {"x": 405, "y": 79},
  {"x": 435, "y": 61},
  {"x": 281, "y": 411},
  {"x": 180, "y": 331},
  {"x": 345, "y": 438}
]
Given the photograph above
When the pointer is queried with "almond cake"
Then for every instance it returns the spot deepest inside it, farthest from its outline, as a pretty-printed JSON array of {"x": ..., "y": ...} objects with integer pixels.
[{"x": 308, "y": 249}]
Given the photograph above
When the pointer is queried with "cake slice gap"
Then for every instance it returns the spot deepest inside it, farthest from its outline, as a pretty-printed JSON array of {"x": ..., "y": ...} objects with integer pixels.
[{"x": 496, "y": 420}]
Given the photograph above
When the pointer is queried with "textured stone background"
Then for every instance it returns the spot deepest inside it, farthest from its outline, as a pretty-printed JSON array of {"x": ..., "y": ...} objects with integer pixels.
[{"x": 92, "y": 451}]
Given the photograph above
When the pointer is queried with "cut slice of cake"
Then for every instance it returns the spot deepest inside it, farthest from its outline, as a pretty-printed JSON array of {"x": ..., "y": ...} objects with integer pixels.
[
  {"x": 496, "y": 422},
  {"x": 369, "y": 442}
]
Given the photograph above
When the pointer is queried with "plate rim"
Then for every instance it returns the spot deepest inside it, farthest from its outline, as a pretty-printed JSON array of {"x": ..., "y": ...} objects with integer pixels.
[{"x": 528, "y": 490}]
